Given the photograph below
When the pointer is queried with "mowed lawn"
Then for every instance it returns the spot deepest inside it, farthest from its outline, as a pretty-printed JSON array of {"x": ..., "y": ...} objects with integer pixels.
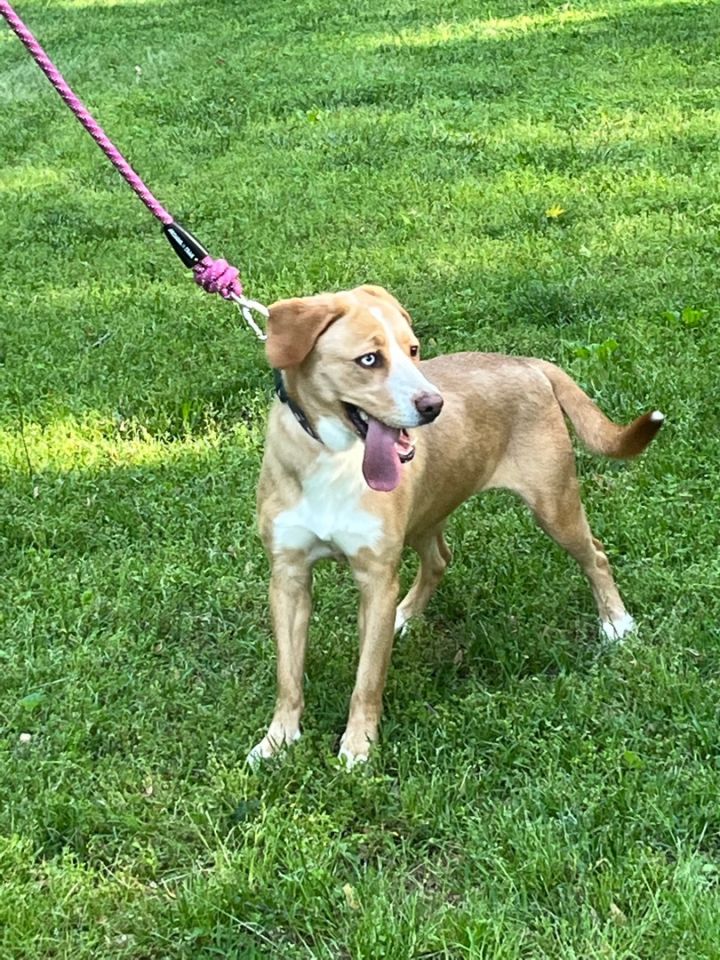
[{"x": 527, "y": 177}]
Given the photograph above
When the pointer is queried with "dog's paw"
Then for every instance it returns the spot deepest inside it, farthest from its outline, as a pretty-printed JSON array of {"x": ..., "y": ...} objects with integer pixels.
[
  {"x": 401, "y": 622},
  {"x": 614, "y": 631},
  {"x": 348, "y": 759},
  {"x": 354, "y": 749},
  {"x": 271, "y": 744}
]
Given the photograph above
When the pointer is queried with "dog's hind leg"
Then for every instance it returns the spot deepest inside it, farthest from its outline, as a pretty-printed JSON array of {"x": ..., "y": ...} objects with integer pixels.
[
  {"x": 434, "y": 555},
  {"x": 559, "y": 511},
  {"x": 290, "y": 606}
]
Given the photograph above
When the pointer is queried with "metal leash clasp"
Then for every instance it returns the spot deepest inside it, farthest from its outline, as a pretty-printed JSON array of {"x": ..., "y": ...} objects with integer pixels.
[{"x": 246, "y": 308}]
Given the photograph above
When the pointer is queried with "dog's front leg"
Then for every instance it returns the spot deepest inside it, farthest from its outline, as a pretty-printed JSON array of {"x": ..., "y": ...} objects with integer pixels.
[
  {"x": 290, "y": 607},
  {"x": 379, "y": 587}
]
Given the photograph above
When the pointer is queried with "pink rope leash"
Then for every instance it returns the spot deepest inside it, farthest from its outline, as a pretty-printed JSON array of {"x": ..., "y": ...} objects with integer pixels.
[{"x": 214, "y": 276}]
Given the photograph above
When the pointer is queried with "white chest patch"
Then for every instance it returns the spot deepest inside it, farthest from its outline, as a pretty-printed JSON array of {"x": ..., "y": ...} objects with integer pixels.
[{"x": 328, "y": 517}]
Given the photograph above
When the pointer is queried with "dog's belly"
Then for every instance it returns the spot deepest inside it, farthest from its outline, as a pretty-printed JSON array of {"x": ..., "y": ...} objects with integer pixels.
[{"x": 329, "y": 520}]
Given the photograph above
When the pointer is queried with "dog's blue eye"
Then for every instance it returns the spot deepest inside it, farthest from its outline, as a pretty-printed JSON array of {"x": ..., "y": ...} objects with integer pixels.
[{"x": 369, "y": 360}]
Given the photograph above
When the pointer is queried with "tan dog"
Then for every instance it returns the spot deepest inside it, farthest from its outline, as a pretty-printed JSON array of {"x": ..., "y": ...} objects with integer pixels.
[{"x": 340, "y": 483}]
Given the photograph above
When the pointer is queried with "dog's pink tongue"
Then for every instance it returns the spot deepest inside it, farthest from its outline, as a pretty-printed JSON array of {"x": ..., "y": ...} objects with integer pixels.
[{"x": 381, "y": 464}]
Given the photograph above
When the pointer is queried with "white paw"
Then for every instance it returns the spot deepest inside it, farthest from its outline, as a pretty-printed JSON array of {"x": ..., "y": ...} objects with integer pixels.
[
  {"x": 352, "y": 753},
  {"x": 270, "y": 745},
  {"x": 401, "y": 622},
  {"x": 350, "y": 759},
  {"x": 615, "y": 630}
]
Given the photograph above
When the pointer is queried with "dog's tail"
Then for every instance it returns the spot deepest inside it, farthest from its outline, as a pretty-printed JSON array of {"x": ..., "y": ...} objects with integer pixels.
[{"x": 599, "y": 434}]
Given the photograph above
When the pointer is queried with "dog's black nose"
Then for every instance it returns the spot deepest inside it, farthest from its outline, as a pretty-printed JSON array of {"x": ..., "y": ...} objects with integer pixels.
[{"x": 428, "y": 405}]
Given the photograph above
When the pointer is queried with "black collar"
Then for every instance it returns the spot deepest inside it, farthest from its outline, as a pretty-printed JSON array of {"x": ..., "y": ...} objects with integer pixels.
[{"x": 295, "y": 410}]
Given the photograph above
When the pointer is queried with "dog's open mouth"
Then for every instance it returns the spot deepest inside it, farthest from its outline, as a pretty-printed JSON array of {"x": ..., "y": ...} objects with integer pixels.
[{"x": 385, "y": 449}]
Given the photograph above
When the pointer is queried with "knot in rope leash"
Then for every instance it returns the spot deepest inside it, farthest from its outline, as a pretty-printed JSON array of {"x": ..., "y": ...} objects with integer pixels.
[
  {"x": 217, "y": 276},
  {"x": 214, "y": 276}
]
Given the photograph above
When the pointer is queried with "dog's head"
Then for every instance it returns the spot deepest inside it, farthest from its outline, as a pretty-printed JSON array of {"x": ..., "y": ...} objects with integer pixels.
[{"x": 351, "y": 361}]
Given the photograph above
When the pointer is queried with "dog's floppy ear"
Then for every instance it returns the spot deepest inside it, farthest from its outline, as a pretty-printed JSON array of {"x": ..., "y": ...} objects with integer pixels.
[{"x": 294, "y": 325}]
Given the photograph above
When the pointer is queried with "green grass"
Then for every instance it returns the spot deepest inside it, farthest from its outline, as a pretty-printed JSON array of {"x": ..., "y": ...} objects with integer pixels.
[{"x": 532, "y": 796}]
